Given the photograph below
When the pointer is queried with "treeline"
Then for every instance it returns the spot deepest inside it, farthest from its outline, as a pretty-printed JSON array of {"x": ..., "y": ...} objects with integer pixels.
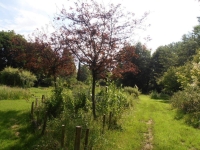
[
  {"x": 48, "y": 61},
  {"x": 174, "y": 65},
  {"x": 162, "y": 71},
  {"x": 45, "y": 60},
  {"x": 170, "y": 68}
]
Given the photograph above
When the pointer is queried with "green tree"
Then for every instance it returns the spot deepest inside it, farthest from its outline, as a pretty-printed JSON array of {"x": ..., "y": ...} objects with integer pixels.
[
  {"x": 83, "y": 73},
  {"x": 195, "y": 72},
  {"x": 187, "y": 49},
  {"x": 142, "y": 61},
  {"x": 9, "y": 43},
  {"x": 189, "y": 45},
  {"x": 162, "y": 59},
  {"x": 169, "y": 81},
  {"x": 179, "y": 55},
  {"x": 184, "y": 75}
]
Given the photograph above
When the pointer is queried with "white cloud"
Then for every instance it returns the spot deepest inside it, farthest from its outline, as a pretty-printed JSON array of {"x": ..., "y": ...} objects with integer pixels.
[
  {"x": 2, "y": 6},
  {"x": 29, "y": 20},
  {"x": 169, "y": 19}
]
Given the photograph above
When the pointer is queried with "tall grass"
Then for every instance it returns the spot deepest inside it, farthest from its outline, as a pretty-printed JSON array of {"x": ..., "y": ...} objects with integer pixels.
[{"x": 13, "y": 93}]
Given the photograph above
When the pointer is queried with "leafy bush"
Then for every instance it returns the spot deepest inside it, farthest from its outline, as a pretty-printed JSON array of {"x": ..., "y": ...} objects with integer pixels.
[
  {"x": 156, "y": 95},
  {"x": 112, "y": 99},
  {"x": 13, "y": 93},
  {"x": 55, "y": 105},
  {"x": 77, "y": 100},
  {"x": 188, "y": 102},
  {"x": 132, "y": 91},
  {"x": 17, "y": 77},
  {"x": 170, "y": 81}
]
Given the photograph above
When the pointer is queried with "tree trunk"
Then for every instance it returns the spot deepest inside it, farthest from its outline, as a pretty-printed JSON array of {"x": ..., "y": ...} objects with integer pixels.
[{"x": 93, "y": 95}]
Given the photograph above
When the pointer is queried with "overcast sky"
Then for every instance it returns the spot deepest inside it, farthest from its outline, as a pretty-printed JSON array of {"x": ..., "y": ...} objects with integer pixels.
[{"x": 169, "y": 19}]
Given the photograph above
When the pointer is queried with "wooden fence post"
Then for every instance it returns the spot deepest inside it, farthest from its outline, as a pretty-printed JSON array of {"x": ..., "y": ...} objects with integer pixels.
[
  {"x": 77, "y": 138},
  {"x": 45, "y": 123},
  {"x": 104, "y": 121},
  {"x": 63, "y": 136},
  {"x": 86, "y": 139},
  {"x": 110, "y": 118}
]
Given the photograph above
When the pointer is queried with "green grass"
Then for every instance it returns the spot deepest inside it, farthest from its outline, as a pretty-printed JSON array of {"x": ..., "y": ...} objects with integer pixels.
[
  {"x": 15, "y": 127},
  {"x": 38, "y": 92},
  {"x": 14, "y": 123},
  {"x": 168, "y": 132}
]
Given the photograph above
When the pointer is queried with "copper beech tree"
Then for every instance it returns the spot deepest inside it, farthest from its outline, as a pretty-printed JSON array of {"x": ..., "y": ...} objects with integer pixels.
[
  {"x": 47, "y": 55},
  {"x": 96, "y": 35}
]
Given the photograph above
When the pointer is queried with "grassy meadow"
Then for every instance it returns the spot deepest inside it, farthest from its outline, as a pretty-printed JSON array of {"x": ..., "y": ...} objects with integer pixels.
[
  {"x": 15, "y": 131},
  {"x": 149, "y": 124}
]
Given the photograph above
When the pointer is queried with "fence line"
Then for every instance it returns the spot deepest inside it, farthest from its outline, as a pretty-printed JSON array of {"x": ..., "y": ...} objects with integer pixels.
[{"x": 78, "y": 129}]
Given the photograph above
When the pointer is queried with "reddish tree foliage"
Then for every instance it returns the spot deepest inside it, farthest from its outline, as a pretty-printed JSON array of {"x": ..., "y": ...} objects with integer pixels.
[
  {"x": 48, "y": 56},
  {"x": 124, "y": 59},
  {"x": 96, "y": 35}
]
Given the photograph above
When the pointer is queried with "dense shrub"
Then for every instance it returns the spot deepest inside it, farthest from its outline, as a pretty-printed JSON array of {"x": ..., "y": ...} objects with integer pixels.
[
  {"x": 17, "y": 77},
  {"x": 188, "y": 103},
  {"x": 154, "y": 95},
  {"x": 113, "y": 99},
  {"x": 55, "y": 105},
  {"x": 77, "y": 100},
  {"x": 169, "y": 81},
  {"x": 162, "y": 95},
  {"x": 132, "y": 91}
]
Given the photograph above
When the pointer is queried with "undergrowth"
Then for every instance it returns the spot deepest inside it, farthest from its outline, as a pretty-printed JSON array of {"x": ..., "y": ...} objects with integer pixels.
[
  {"x": 187, "y": 103},
  {"x": 72, "y": 107}
]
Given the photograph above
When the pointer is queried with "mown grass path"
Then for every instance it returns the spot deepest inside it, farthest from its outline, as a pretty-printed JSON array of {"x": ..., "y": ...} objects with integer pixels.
[
  {"x": 167, "y": 132},
  {"x": 152, "y": 125}
]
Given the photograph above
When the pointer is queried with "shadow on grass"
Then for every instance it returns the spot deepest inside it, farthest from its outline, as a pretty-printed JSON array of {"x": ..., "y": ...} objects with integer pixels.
[
  {"x": 165, "y": 101},
  {"x": 15, "y": 130},
  {"x": 162, "y": 100}
]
